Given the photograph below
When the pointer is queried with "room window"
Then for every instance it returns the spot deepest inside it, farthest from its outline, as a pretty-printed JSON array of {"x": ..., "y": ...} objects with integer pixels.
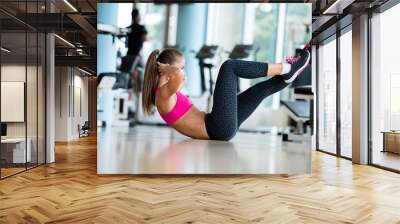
[
  {"x": 327, "y": 96},
  {"x": 385, "y": 89},
  {"x": 346, "y": 94}
]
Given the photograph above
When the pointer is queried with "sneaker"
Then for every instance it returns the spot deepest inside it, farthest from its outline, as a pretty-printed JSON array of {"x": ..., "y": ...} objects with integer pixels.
[
  {"x": 307, "y": 46},
  {"x": 291, "y": 59},
  {"x": 298, "y": 63}
]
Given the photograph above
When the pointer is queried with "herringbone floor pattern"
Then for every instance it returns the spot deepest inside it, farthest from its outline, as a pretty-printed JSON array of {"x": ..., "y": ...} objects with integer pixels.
[{"x": 70, "y": 191}]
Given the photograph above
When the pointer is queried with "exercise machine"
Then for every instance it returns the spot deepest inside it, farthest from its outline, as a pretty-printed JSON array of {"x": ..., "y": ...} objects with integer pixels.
[
  {"x": 119, "y": 91},
  {"x": 205, "y": 56},
  {"x": 114, "y": 99},
  {"x": 206, "y": 52}
]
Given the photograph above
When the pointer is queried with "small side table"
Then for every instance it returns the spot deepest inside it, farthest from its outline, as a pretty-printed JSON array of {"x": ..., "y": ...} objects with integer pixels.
[
  {"x": 391, "y": 141},
  {"x": 14, "y": 149}
]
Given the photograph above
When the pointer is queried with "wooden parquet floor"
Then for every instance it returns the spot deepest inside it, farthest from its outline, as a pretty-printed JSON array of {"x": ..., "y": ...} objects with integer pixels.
[{"x": 70, "y": 191}]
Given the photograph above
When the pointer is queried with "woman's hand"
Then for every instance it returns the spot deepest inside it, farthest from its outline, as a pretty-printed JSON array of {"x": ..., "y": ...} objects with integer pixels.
[
  {"x": 168, "y": 70},
  {"x": 175, "y": 77}
]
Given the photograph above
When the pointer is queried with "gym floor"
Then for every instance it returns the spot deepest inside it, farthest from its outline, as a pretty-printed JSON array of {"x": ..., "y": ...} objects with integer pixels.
[
  {"x": 387, "y": 159},
  {"x": 162, "y": 150}
]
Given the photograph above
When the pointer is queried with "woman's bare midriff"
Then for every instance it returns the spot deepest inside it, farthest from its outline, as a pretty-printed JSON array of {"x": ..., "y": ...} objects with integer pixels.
[{"x": 192, "y": 124}]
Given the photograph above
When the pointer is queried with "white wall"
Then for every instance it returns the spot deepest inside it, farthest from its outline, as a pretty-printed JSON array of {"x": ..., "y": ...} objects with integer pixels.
[
  {"x": 71, "y": 94},
  {"x": 80, "y": 100}
]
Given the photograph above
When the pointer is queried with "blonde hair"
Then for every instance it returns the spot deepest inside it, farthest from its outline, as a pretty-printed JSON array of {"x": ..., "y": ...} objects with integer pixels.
[{"x": 167, "y": 56}]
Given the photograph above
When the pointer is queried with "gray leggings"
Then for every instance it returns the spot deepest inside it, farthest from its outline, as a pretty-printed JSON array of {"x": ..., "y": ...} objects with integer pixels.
[{"x": 230, "y": 109}]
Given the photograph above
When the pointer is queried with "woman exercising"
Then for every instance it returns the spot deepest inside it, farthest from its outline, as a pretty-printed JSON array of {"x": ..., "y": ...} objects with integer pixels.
[{"x": 164, "y": 78}]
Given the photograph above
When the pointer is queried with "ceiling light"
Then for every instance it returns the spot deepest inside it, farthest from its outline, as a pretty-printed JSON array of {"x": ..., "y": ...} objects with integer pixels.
[
  {"x": 70, "y": 5},
  {"x": 84, "y": 71},
  {"x": 79, "y": 51},
  {"x": 337, "y": 7},
  {"x": 5, "y": 50},
  {"x": 326, "y": 11},
  {"x": 65, "y": 41}
]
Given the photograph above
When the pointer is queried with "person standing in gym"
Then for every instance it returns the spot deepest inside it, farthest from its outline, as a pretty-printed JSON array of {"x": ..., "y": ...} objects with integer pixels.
[{"x": 136, "y": 37}]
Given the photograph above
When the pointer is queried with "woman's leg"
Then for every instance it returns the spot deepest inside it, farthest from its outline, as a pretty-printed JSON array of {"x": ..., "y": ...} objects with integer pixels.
[
  {"x": 227, "y": 113},
  {"x": 222, "y": 121},
  {"x": 249, "y": 99}
]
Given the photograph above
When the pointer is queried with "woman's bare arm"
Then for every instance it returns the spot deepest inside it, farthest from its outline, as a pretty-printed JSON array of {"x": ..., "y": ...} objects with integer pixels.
[{"x": 175, "y": 77}]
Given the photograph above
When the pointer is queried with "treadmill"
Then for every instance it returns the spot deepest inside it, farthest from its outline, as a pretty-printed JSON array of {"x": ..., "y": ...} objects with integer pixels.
[{"x": 206, "y": 52}]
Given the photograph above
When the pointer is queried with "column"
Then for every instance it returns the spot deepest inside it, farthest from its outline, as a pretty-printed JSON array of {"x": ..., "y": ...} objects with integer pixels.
[{"x": 360, "y": 90}]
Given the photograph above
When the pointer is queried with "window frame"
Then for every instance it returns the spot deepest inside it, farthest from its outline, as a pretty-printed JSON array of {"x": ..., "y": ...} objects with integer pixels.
[{"x": 333, "y": 37}]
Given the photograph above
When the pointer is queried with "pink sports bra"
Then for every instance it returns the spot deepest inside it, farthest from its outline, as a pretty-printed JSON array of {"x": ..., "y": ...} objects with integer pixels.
[{"x": 183, "y": 104}]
